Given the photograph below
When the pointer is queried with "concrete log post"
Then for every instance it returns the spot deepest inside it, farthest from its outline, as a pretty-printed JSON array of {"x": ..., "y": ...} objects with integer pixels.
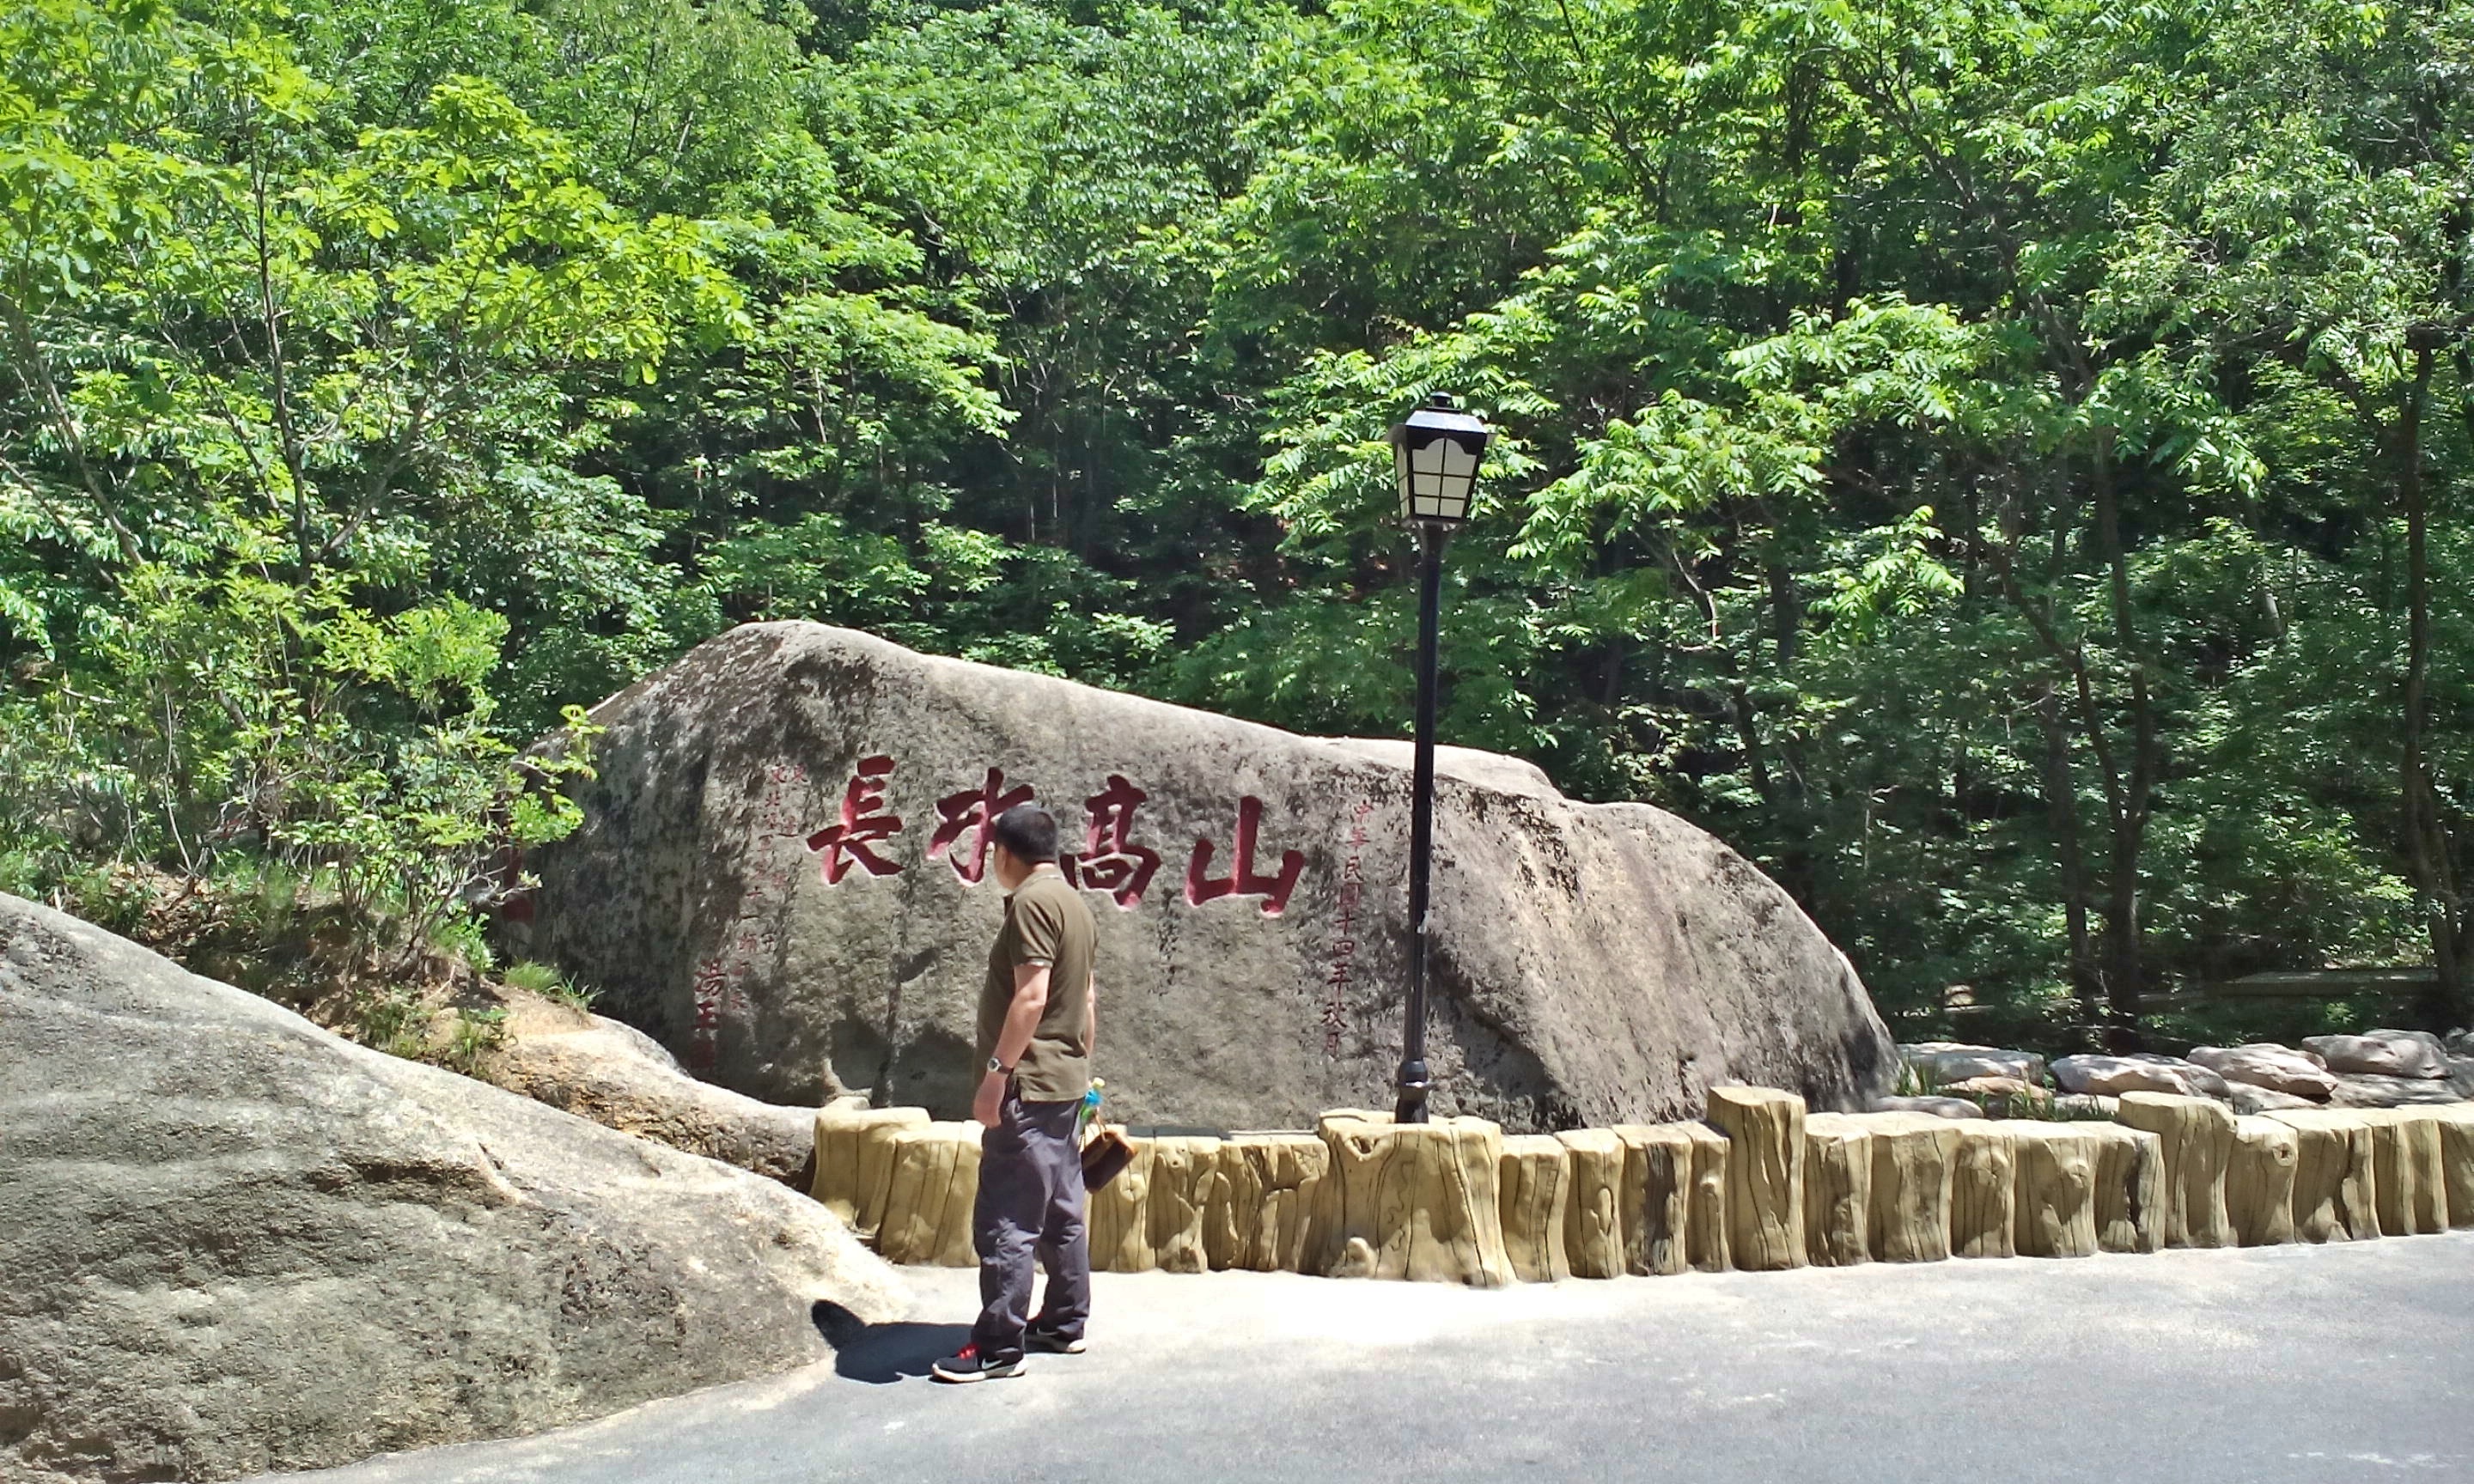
[
  {"x": 1594, "y": 1220},
  {"x": 1912, "y": 1159},
  {"x": 855, "y": 1160},
  {"x": 1118, "y": 1215},
  {"x": 1656, "y": 1196},
  {"x": 928, "y": 1194},
  {"x": 1418, "y": 1199},
  {"x": 1765, "y": 1180},
  {"x": 1262, "y": 1203},
  {"x": 1705, "y": 1222},
  {"x": 2259, "y": 1182},
  {"x": 2198, "y": 1140},
  {"x": 2335, "y": 1184},
  {"x": 2129, "y": 1190},
  {"x": 2053, "y": 1171},
  {"x": 1838, "y": 1191},
  {"x": 2410, "y": 1183},
  {"x": 1229, "y": 1216},
  {"x": 1183, "y": 1172},
  {"x": 2457, "y": 1162},
  {"x": 1531, "y": 1194},
  {"x": 1982, "y": 1190}
]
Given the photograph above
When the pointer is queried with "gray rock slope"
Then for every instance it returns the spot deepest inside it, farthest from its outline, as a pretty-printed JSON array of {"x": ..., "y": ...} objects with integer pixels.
[
  {"x": 779, "y": 879},
  {"x": 231, "y": 1242}
]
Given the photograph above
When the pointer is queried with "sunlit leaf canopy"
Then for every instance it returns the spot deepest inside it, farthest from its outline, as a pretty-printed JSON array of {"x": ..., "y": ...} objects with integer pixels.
[{"x": 2001, "y": 466}]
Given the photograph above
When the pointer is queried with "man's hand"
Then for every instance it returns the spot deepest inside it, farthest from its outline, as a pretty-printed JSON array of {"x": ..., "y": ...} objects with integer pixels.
[{"x": 989, "y": 1105}]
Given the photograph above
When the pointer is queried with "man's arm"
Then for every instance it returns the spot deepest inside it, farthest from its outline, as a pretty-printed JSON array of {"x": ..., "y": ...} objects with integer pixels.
[
  {"x": 1021, "y": 1022},
  {"x": 1091, "y": 1011}
]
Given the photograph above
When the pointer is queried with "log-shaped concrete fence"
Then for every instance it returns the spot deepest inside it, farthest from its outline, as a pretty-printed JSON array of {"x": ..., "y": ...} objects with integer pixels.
[{"x": 1762, "y": 1185}]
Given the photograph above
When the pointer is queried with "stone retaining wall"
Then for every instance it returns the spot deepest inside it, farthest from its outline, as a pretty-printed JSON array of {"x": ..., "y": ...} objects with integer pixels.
[{"x": 1759, "y": 1186}]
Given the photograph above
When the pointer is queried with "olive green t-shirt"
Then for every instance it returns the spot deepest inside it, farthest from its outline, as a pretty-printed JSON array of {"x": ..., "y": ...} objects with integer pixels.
[{"x": 1045, "y": 923}]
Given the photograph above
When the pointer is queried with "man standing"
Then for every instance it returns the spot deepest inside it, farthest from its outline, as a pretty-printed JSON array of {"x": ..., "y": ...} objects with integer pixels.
[{"x": 1037, "y": 1013}]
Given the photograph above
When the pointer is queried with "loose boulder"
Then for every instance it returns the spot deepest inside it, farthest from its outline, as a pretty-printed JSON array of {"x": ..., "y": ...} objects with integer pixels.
[
  {"x": 618, "y": 1076},
  {"x": 2112, "y": 1076},
  {"x": 2370, "y": 1089},
  {"x": 784, "y": 875},
  {"x": 236, "y": 1243},
  {"x": 1932, "y": 1107},
  {"x": 2382, "y": 1053},
  {"x": 1952, "y": 1061},
  {"x": 2002, "y": 1097},
  {"x": 2266, "y": 1064},
  {"x": 2249, "y": 1099}
]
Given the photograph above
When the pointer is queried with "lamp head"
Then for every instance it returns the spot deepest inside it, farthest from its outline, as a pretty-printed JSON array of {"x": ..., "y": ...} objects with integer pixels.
[{"x": 1435, "y": 453}]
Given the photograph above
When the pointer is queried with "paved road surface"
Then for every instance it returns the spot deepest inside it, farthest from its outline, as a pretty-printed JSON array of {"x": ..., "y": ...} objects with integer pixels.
[{"x": 2311, "y": 1365}]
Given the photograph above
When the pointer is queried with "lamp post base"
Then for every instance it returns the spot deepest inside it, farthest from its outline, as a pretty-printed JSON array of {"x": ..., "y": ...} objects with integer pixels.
[{"x": 1413, "y": 1085}]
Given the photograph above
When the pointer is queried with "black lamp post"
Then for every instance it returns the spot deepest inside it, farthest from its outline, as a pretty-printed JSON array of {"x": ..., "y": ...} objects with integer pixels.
[{"x": 1436, "y": 454}]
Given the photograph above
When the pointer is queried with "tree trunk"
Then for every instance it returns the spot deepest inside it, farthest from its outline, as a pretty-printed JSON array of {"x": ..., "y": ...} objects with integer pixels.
[
  {"x": 2062, "y": 804},
  {"x": 2426, "y": 830},
  {"x": 2128, "y": 816}
]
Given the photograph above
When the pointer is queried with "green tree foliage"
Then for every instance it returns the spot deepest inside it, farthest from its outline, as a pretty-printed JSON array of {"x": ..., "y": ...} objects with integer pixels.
[{"x": 2004, "y": 467}]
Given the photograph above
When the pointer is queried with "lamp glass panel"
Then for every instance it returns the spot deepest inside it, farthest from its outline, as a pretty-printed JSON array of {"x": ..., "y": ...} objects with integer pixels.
[{"x": 1440, "y": 473}]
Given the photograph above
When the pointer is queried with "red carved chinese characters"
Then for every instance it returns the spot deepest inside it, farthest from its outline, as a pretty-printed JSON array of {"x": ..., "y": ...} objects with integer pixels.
[
  {"x": 863, "y": 822},
  {"x": 1114, "y": 864},
  {"x": 976, "y": 811},
  {"x": 1243, "y": 881}
]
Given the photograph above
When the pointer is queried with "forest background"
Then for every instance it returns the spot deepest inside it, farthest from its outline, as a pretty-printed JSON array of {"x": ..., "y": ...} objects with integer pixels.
[{"x": 2002, "y": 465}]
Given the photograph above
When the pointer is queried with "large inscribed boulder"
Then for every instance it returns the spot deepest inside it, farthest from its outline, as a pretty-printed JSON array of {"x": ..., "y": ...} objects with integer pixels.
[
  {"x": 784, "y": 877},
  {"x": 232, "y": 1243}
]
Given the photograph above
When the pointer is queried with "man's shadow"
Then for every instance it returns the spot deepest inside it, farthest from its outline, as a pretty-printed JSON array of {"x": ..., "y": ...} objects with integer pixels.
[{"x": 879, "y": 1353}]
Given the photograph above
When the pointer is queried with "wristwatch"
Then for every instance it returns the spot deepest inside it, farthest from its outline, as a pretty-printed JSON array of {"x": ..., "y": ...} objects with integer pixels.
[{"x": 996, "y": 1065}]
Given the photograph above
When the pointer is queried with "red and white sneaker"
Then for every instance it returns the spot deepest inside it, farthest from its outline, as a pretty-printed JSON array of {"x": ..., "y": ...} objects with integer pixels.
[{"x": 968, "y": 1365}]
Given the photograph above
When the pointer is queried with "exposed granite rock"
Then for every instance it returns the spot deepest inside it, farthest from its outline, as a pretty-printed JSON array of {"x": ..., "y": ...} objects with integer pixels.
[
  {"x": 615, "y": 1075},
  {"x": 236, "y": 1243}
]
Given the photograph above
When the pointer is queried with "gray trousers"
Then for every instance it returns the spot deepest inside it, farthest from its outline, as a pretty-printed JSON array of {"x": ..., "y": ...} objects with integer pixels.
[{"x": 1029, "y": 1206}]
